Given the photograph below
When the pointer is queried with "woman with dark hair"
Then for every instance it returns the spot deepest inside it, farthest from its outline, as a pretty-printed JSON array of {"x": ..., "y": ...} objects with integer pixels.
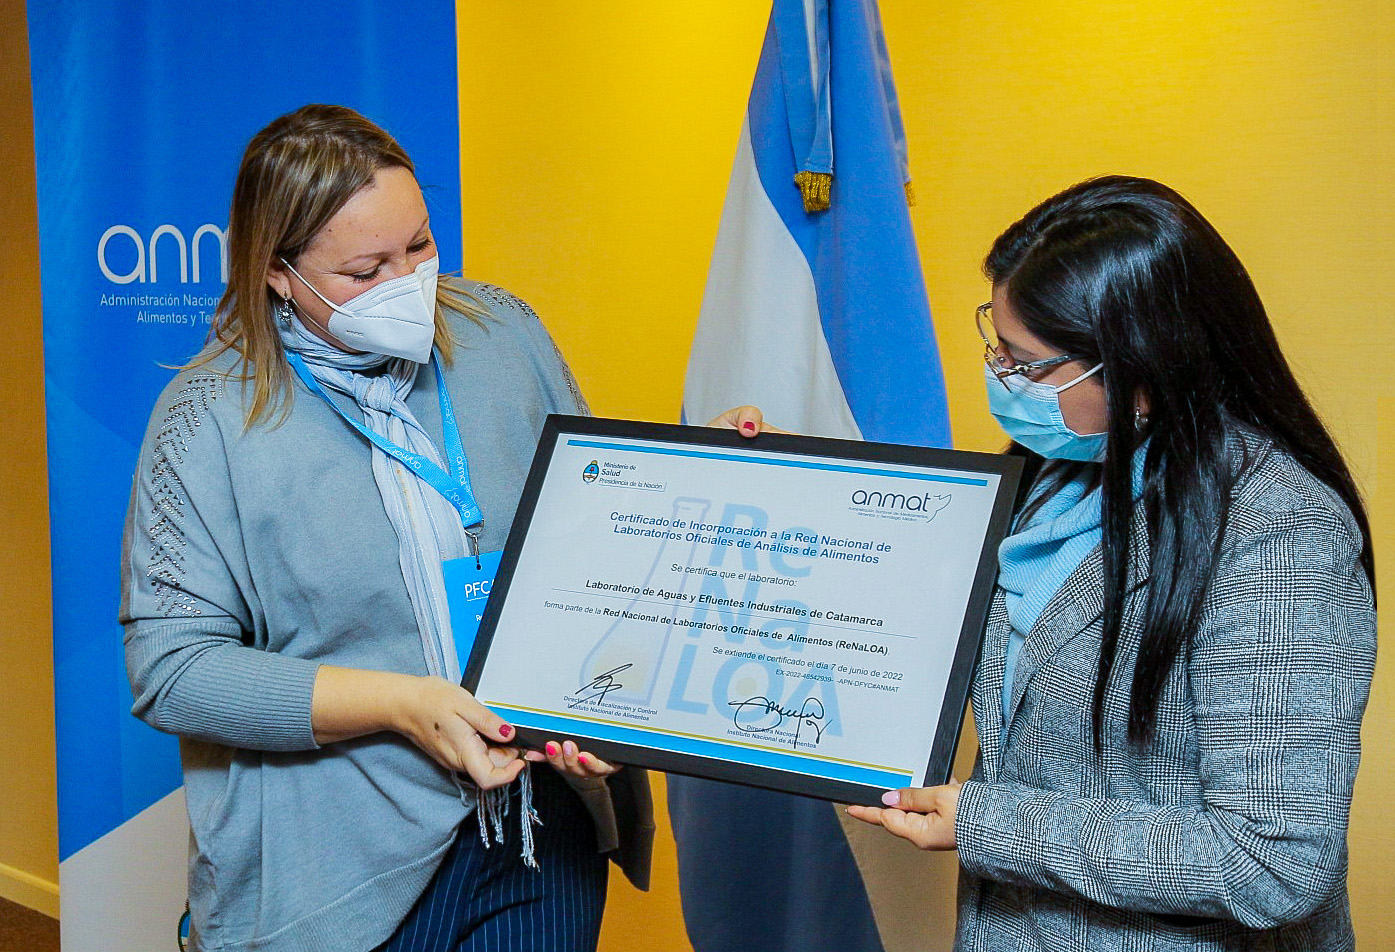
[
  {"x": 1177, "y": 659},
  {"x": 355, "y": 421}
]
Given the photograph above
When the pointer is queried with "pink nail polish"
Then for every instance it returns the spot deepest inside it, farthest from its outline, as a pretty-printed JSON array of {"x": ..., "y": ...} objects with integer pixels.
[
  {"x": 748, "y": 427},
  {"x": 551, "y": 749},
  {"x": 582, "y": 759},
  {"x": 891, "y": 798},
  {"x": 505, "y": 731}
]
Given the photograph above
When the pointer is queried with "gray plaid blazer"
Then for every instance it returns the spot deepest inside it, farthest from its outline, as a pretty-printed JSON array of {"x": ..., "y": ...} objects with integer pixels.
[{"x": 1229, "y": 831}]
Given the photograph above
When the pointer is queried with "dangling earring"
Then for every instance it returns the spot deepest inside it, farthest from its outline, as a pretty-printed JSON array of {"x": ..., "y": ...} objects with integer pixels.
[
  {"x": 1140, "y": 419},
  {"x": 285, "y": 312}
]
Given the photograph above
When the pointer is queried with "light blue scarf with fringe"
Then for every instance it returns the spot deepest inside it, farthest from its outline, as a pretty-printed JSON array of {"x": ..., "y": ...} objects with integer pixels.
[{"x": 428, "y": 527}]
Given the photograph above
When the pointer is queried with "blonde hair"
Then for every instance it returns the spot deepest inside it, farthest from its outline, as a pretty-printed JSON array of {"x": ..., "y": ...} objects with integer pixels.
[{"x": 295, "y": 176}]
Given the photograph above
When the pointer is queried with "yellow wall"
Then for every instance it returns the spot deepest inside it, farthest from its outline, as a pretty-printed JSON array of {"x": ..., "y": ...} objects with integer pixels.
[
  {"x": 597, "y": 143},
  {"x": 28, "y": 816}
]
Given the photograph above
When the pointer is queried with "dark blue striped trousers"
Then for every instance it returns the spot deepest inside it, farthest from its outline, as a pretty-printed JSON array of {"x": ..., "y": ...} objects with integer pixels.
[{"x": 486, "y": 899}]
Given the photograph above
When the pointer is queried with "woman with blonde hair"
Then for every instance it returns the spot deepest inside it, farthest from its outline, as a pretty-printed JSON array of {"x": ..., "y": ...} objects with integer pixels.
[{"x": 356, "y": 421}]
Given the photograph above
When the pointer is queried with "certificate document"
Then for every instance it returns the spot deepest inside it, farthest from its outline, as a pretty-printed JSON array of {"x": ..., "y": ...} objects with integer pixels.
[{"x": 795, "y": 613}]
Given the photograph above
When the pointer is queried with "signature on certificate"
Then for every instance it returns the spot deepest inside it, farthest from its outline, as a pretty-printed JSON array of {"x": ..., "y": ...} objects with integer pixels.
[
  {"x": 759, "y": 714},
  {"x": 599, "y": 686}
]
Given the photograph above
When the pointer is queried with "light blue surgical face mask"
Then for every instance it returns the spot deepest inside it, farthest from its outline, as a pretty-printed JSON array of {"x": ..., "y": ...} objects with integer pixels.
[{"x": 1030, "y": 413}]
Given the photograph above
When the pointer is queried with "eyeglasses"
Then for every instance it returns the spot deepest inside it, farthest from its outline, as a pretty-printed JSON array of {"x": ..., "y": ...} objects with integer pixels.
[{"x": 983, "y": 316}]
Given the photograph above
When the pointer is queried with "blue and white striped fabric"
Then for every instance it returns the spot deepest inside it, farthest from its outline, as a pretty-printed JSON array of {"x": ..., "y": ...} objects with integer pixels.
[
  {"x": 485, "y": 898},
  {"x": 821, "y": 319}
]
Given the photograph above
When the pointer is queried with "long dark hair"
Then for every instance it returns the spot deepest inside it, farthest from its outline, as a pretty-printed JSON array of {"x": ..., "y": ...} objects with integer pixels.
[{"x": 1126, "y": 272}]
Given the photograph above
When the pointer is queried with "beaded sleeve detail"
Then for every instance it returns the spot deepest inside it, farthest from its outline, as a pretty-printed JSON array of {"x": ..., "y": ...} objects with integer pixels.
[
  {"x": 168, "y": 497},
  {"x": 502, "y": 298}
]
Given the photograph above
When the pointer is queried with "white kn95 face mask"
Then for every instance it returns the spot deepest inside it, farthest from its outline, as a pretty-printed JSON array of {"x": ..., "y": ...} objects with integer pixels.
[{"x": 396, "y": 317}]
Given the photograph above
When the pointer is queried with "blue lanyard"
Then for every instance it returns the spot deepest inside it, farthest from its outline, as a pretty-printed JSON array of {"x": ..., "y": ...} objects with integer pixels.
[{"x": 455, "y": 486}]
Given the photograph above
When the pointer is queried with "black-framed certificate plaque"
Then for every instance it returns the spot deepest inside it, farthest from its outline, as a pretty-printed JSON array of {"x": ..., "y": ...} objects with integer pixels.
[{"x": 789, "y": 612}]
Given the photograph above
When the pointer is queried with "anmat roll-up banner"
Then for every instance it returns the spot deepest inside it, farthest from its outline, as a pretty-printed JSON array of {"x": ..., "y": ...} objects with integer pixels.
[{"x": 141, "y": 111}]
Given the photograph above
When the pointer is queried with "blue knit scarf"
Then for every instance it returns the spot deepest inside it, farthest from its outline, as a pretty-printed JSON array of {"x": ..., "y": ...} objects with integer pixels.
[{"x": 1035, "y": 561}]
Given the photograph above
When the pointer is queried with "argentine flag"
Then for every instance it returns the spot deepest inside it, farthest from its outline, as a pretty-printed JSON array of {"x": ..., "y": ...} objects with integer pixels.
[{"x": 815, "y": 310}]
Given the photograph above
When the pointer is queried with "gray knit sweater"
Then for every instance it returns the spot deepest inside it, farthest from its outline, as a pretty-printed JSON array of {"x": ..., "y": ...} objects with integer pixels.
[{"x": 253, "y": 556}]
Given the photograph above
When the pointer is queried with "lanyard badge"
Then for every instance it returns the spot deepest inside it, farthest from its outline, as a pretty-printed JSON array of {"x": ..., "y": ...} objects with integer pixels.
[
  {"x": 453, "y": 485},
  {"x": 468, "y": 580}
]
